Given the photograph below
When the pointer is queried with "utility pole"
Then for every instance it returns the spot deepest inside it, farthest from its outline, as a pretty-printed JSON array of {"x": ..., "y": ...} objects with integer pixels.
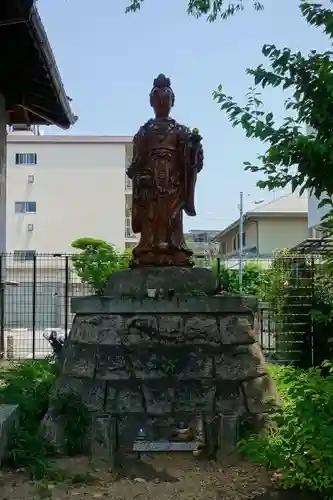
[{"x": 240, "y": 244}]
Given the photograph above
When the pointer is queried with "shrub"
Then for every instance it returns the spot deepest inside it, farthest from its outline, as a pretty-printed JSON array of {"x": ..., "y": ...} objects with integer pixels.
[
  {"x": 301, "y": 446},
  {"x": 28, "y": 385},
  {"x": 254, "y": 280},
  {"x": 96, "y": 261}
]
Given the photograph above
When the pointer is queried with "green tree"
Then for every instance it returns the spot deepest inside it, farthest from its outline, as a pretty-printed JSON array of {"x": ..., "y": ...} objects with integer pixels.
[
  {"x": 211, "y": 9},
  {"x": 97, "y": 260},
  {"x": 294, "y": 156}
]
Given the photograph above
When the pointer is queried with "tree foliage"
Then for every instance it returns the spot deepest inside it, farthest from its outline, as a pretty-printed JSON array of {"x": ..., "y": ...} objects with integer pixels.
[
  {"x": 294, "y": 156},
  {"x": 211, "y": 9},
  {"x": 97, "y": 260}
]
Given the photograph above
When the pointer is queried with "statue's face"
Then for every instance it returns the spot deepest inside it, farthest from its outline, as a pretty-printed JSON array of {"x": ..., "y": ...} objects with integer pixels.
[{"x": 161, "y": 101}]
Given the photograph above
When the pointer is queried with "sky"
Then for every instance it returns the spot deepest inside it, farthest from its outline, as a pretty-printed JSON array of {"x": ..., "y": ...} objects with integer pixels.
[{"x": 108, "y": 60}]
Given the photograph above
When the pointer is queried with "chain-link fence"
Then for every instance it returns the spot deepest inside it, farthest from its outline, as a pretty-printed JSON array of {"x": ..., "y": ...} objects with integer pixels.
[{"x": 295, "y": 292}]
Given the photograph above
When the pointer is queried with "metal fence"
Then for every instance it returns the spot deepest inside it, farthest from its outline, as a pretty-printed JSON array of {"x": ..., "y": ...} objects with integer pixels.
[
  {"x": 36, "y": 292},
  {"x": 299, "y": 296}
]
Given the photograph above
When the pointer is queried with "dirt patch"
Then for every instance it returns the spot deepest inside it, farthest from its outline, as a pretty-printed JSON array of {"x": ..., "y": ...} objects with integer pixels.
[{"x": 158, "y": 477}]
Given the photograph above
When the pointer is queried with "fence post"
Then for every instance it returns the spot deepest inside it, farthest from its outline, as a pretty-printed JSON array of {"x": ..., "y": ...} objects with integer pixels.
[
  {"x": 2, "y": 309},
  {"x": 261, "y": 325},
  {"x": 34, "y": 284},
  {"x": 312, "y": 340},
  {"x": 218, "y": 271},
  {"x": 10, "y": 346},
  {"x": 66, "y": 293}
]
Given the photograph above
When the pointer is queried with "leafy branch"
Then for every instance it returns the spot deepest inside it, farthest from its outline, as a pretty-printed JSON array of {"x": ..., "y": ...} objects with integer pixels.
[
  {"x": 299, "y": 156},
  {"x": 211, "y": 9}
]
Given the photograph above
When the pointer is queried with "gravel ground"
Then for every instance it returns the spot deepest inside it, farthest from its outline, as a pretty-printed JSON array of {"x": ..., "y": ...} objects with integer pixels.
[{"x": 159, "y": 477}]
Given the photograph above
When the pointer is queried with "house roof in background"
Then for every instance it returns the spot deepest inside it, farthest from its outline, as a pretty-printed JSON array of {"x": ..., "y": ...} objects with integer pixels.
[{"x": 288, "y": 205}]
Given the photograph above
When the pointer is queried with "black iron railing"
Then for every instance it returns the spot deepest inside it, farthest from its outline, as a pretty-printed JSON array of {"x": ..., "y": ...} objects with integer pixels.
[{"x": 36, "y": 292}]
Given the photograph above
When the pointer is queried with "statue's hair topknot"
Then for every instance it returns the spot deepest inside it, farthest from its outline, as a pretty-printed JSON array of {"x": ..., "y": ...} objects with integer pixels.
[{"x": 162, "y": 81}]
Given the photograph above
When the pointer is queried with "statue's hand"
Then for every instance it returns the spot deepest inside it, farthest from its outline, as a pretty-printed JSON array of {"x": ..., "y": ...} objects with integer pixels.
[{"x": 197, "y": 157}]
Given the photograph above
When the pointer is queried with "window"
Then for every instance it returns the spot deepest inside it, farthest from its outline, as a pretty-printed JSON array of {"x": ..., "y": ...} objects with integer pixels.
[
  {"x": 235, "y": 242},
  {"x": 26, "y": 158},
  {"x": 25, "y": 207},
  {"x": 24, "y": 255},
  {"x": 223, "y": 248}
]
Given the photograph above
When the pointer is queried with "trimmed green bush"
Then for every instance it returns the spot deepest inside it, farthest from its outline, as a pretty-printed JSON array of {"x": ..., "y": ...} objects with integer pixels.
[
  {"x": 300, "y": 445},
  {"x": 255, "y": 280},
  {"x": 97, "y": 260}
]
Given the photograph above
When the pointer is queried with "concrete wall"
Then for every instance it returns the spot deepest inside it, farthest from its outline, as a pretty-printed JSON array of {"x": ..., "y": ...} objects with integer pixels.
[
  {"x": 78, "y": 187},
  {"x": 281, "y": 232},
  {"x": 3, "y": 123}
]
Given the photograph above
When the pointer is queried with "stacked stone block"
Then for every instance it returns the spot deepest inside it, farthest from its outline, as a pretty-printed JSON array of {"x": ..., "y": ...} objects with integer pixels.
[{"x": 155, "y": 364}]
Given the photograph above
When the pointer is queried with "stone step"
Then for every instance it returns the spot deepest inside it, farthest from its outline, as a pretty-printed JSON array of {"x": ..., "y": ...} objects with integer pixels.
[{"x": 9, "y": 415}]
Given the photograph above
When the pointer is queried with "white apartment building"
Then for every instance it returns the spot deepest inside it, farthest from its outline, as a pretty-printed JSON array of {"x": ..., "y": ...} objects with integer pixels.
[{"x": 60, "y": 188}]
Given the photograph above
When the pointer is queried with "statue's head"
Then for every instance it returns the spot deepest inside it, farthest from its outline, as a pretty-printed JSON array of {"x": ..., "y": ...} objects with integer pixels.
[{"x": 162, "y": 97}]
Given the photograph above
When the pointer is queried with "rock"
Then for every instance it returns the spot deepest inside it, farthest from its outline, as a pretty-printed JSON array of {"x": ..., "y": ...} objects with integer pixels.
[
  {"x": 228, "y": 438},
  {"x": 183, "y": 280},
  {"x": 53, "y": 431},
  {"x": 103, "y": 439},
  {"x": 260, "y": 394},
  {"x": 240, "y": 362},
  {"x": 9, "y": 417}
]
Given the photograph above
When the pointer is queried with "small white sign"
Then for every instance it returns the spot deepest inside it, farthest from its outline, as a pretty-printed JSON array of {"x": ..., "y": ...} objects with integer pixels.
[{"x": 164, "y": 446}]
